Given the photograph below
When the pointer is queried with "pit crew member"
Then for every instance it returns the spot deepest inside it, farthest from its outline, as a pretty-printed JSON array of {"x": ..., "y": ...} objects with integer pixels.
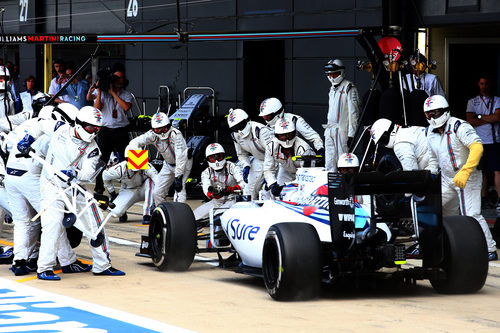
[
  {"x": 136, "y": 185},
  {"x": 279, "y": 155},
  {"x": 343, "y": 113},
  {"x": 219, "y": 181},
  {"x": 176, "y": 165},
  {"x": 456, "y": 149},
  {"x": 250, "y": 138}
]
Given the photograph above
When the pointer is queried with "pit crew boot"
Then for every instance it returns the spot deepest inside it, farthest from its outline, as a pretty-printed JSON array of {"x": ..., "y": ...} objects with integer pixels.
[
  {"x": 7, "y": 255},
  {"x": 19, "y": 268},
  {"x": 123, "y": 218},
  {"x": 48, "y": 276},
  {"x": 146, "y": 219},
  {"x": 111, "y": 272},
  {"x": 32, "y": 264},
  {"x": 77, "y": 267},
  {"x": 492, "y": 256},
  {"x": 8, "y": 219}
]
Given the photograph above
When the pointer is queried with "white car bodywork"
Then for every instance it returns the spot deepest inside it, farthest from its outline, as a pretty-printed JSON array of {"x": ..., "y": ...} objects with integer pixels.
[{"x": 306, "y": 200}]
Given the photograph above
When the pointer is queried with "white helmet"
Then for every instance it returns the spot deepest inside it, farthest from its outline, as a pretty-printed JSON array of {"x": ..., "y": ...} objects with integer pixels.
[
  {"x": 270, "y": 110},
  {"x": 65, "y": 112},
  {"x": 284, "y": 131},
  {"x": 384, "y": 131},
  {"x": 437, "y": 110},
  {"x": 88, "y": 123},
  {"x": 348, "y": 160},
  {"x": 216, "y": 156},
  {"x": 161, "y": 125},
  {"x": 46, "y": 112},
  {"x": 4, "y": 72},
  {"x": 38, "y": 102},
  {"x": 237, "y": 119},
  {"x": 335, "y": 66}
]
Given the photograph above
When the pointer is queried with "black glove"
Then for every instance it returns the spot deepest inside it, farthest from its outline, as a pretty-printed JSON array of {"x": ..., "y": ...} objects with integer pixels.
[
  {"x": 112, "y": 196},
  {"x": 321, "y": 152},
  {"x": 349, "y": 142},
  {"x": 177, "y": 184},
  {"x": 275, "y": 189}
]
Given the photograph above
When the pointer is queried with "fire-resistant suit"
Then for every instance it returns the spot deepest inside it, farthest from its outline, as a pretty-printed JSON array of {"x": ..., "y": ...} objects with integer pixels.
[
  {"x": 254, "y": 144},
  {"x": 343, "y": 113},
  {"x": 136, "y": 185},
  {"x": 410, "y": 147},
  {"x": 228, "y": 177},
  {"x": 450, "y": 151},
  {"x": 67, "y": 152},
  {"x": 275, "y": 159},
  {"x": 176, "y": 162}
]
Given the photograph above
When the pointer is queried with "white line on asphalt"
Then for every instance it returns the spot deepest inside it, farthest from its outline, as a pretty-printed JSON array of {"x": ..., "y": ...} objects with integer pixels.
[
  {"x": 123, "y": 242},
  {"x": 494, "y": 264}
]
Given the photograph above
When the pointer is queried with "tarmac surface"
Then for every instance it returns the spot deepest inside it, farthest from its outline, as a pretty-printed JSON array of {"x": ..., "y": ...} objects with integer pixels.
[{"x": 209, "y": 299}]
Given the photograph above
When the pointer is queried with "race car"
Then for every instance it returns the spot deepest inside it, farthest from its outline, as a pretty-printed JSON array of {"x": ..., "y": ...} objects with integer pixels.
[{"x": 326, "y": 227}]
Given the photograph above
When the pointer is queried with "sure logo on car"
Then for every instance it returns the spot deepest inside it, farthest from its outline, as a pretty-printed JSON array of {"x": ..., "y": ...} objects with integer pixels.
[{"x": 241, "y": 231}]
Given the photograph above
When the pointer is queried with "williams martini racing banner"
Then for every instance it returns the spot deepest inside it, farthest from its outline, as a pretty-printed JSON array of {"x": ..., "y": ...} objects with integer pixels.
[{"x": 155, "y": 38}]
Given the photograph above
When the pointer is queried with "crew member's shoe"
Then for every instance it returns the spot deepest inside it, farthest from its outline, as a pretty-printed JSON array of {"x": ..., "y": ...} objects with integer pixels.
[
  {"x": 111, "y": 272},
  {"x": 146, "y": 219},
  {"x": 19, "y": 268},
  {"x": 32, "y": 264},
  {"x": 492, "y": 256},
  {"x": 7, "y": 255},
  {"x": 8, "y": 219},
  {"x": 77, "y": 267},
  {"x": 123, "y": 218},
  {"x": 48, "y": 276}
]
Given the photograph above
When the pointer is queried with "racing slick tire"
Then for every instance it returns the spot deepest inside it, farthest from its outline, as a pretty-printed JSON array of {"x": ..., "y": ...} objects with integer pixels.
[
  {"x": 465, "y": 257},
  {"x": 172, "y": 236},
  {"x": 291, "y": 262}
]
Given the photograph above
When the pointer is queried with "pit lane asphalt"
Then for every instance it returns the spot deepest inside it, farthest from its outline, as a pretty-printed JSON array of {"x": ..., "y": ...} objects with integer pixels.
[{"x": 209, "y": 299}]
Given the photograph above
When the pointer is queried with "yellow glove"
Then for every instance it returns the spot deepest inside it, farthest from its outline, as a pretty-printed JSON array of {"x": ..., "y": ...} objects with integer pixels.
[{"x": 475, "y": 153}]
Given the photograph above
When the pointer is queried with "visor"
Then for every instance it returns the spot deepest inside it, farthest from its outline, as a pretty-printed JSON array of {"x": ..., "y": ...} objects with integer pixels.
[
  {"x": 89, "y": 128},
  {"x": 163, "y": 129},
  {"x": 330, "y": 68},
  {"x": 240, "y": 126},
  {"x": 215, "y": 157},
  {"x": 434, "y": 114},
  {"x": 285, "y": 136}
]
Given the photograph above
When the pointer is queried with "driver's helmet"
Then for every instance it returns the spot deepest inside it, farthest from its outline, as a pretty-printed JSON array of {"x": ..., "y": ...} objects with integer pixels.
[
  {"x": 285, "y": 132},
  {"x": 88, "y": 122},
  {"x": 237, "y": 119},
  {"x": 335, "y": 66},
  {"x": 348, "y": 163},
  {"x": 216, "y": 156},
  {"x": 383, "y": 132},
  {"x": 161, "y": 125},
  {"x": 437, "y": 110},
  {"x": 38, "y": 102},
  {"x": 271, "y": 109},
  {"x": 65, "y": 112}
]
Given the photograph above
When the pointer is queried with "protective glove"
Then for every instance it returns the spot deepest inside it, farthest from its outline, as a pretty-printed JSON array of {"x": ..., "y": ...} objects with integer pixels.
[
  {"x": 246, "y": 171},
  {"x": 349, "y": 141},
  {"x": 231, "y": 189},
  {"x": 275, "y": 189},
  {"x": 25, "y": 144},
  {"x": 112, "y": 196},
  {"x": 177, "y": 183},
  {"x": 213, "y": 194},
  {"x": 321, "y": 152},
  {"x": 462, "y": 176},
  {"x": 70, "y": 173}
]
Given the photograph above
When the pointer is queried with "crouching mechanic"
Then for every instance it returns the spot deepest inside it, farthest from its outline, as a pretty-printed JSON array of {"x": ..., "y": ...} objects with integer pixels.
[
  {"x": 73, "y": 151},
  {"x": 136, "y": 185},
  {"x": 456, "y": 149},
  {"x": 250, "y": 137},
  {"x": 409, "y": 143},
  {"x": 219, "y": 181},
  {"x": 279, "y": 165},
  {"x": 176, "y": 165}
]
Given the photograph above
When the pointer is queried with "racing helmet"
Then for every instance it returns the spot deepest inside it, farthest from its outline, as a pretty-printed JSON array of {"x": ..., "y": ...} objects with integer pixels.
[
  {"x": 161, "y": 125},
  {"x": 335, "y": 66},
  {"x": 384, "y": 131},
  {"x": 38, "y": 102},
  {"x": 238, "y": 121},
  {"x": 216, "y": 156},
  {"x": 437, "y": 110},
  {"x": 271, "y": 109},
  {"x": 284, "y": 131},
  {"x": 65, "y": 112},
  {"x": 348, "y": 161},
  {"x": 5, "y": 75},
  {"x": 88, "y": 122},
  {"x": 46, "y": 112}
]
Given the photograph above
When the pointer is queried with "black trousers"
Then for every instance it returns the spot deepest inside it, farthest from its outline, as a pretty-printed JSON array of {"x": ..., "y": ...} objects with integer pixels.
[{"x": 111, "y": 140}]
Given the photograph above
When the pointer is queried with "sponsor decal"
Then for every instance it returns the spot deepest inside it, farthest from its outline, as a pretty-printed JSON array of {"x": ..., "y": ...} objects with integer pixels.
[
  {"x": 344, "y": 202},
  {"x": 241, "y": 231},
  {"x": 350, "y": 235},
  {"x": 306, "y": 178},
  {"x": 346, "y": 217}
]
